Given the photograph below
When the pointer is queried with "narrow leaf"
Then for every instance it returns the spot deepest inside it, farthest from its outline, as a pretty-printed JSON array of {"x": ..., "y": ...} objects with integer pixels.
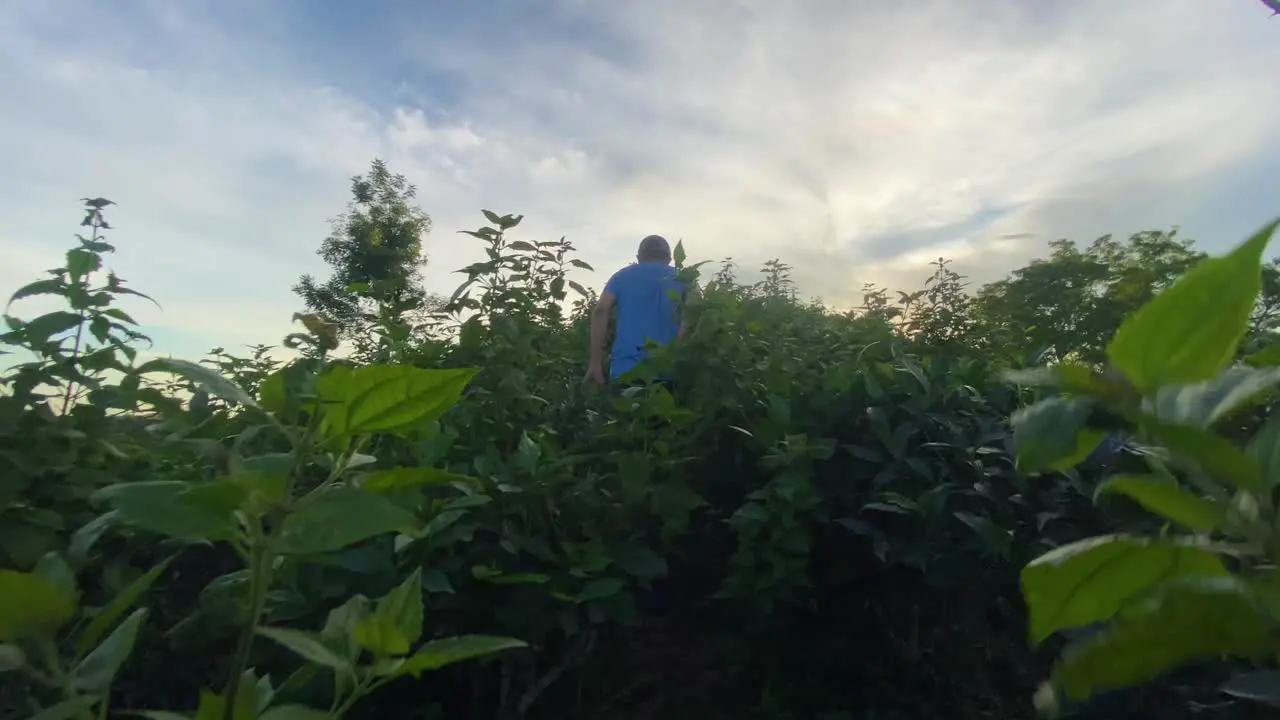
[
  {"x": 125, "y": 599},
  {"x": 96, "y": 671},
  {"x": 307, "y": 645},
  {"x": 202, "y": 377},
  {"x": 447, "y": 651}
]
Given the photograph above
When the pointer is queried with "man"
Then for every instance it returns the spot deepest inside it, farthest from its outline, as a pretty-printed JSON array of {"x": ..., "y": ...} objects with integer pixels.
[{"x": 643, "y": 296}]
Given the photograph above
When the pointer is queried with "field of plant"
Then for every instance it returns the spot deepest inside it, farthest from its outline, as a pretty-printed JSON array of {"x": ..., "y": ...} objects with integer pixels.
[{"x": 901, "y": 511}]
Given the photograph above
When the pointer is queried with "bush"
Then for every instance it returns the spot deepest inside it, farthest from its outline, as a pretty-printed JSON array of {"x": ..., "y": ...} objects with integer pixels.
[{"x": 824, "y": 518}]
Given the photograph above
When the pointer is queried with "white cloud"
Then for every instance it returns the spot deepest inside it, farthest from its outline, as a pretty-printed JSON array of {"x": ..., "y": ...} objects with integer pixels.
[{"x": 856, "y": 140}]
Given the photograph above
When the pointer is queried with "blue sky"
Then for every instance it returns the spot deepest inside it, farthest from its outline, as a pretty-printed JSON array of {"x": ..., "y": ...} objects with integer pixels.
[{"x": 855, "y": 139}]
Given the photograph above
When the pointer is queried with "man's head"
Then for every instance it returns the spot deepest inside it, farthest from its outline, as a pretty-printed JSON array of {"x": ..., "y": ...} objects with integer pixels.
[{"x": 654, "y": 248}]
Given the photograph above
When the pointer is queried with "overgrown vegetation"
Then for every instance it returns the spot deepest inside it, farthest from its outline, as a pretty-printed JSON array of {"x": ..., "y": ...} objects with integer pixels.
[{"x": 826, "y": 520}]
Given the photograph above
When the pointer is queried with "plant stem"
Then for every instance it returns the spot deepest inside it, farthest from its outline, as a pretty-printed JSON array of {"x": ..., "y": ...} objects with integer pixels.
[
  {"x": 75, "y": 350},
  {"x": 260, "y": 560}
]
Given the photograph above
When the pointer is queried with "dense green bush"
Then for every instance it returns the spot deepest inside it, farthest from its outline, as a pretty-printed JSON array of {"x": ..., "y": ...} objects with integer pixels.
[{"x": 824, "y": 518}]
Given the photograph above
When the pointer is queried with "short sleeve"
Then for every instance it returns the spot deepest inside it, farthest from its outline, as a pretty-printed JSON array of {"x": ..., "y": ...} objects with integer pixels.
[{"x": 612, "y": 285}]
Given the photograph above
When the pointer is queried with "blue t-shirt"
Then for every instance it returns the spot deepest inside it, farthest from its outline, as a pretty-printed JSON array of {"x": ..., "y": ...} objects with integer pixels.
[{"x": 646, "y": 311}]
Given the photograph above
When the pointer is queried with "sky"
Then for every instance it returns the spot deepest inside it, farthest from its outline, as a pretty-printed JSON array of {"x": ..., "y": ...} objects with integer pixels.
[{"x": 856, "y": 140}]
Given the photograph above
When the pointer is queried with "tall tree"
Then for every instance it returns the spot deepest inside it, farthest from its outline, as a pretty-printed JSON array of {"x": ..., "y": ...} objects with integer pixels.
[
  {"x": 1071, "y": 303},
  {"x": 375, "y": 249}
]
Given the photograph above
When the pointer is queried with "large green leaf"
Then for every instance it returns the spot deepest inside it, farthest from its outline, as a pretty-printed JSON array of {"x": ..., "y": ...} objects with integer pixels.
[
  {"x": 339, "y": 517},
  {"x": 1190, "y": 332},
  {"x": 1051, "y": 434},
  {"x": 32, "y": 606},
  {"x": 96, "y": 671},
  {"x": 1166, "y": 499},
  {"x": 1205, "y": 403},
  {"x": 176, "y": 509},
  {"x": 1091, "y": 580},
  {"x": 386, "y": 398},
  {"x": 205, "y": 378},
  {"x": 446, "y": 651},
  {"x": 1188, "y": 619}
]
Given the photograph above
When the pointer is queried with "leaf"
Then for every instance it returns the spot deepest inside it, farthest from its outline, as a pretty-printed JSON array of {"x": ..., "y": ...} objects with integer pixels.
[
  {"x": 11, "y": 658},
  {"x": 81, "y": 262},
  {"x": 600, "y": 589},
  {"x": 380, "y": 636},
  {"x": 31, "y": 606},
  {"x": 1213, "y": 454},
  {"x": 386, "y": 398},
  {"x": 53, "y": 568},
  {"x": 1051, "y": 434},
  {"x": 639, "y": 561},
  {"x": 411, "y": 478},
  {"x": 1190, "y": 332},
  {"x": 1166, "y": 499},
  {"x": 447, "y": 651},
  {"x": 307, "y": 645},
  {"x": 202, "y": 377},
  {"x": 294, "y": 712},
  {"x": 39, "y": 287},
  {"x": 1262, "y": 686},
  {"x": 41, "y": 329},
  {"x": 98, "y": 669},
  {"x": 1213, "y": 617},
  {"x": 1264, "y": 449},
  {"x": 339, "y": 517},
  {"x": 162, "y": 506},
  {"x": 83, "y": 540},
  {"x": 1205, "y": 403},
  {"x": 403, "y": 605},
  {"x": 339, "y": 627},
  {"x": 1091, "y": 580},
  {"x": 71, "y": 709},
  {"x": 125, "y": 599}
]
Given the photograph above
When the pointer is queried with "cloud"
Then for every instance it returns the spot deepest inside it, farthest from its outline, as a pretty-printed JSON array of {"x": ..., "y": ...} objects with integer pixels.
[{"x": 855, "y": 140}]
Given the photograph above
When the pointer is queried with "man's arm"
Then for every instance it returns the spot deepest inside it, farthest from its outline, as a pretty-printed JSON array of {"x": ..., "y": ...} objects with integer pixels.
[
  {"x": 691, "y": 298},
  {"x": 600, "y": 328}
]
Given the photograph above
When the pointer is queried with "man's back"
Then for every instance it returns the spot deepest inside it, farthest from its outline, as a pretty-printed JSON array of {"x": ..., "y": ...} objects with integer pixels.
[{"x": 647, "y": 310}]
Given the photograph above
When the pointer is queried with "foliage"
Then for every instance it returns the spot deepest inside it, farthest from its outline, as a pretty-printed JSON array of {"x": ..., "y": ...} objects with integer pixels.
[
  {"x": 375, "y": 249},
  {"x": 298, "y": 498},
  {"x": 1206, "y": 587},
  {"x": 823, "y": 518}
]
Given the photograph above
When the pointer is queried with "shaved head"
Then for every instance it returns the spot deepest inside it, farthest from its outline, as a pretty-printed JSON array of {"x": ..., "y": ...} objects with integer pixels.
[{"x": 654, "y": 248}]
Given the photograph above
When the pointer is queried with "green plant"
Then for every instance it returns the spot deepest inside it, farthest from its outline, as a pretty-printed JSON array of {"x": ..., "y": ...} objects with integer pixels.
[
  {"x": 1206, "y": 587},
  {"x": 274, "y": 509}
]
